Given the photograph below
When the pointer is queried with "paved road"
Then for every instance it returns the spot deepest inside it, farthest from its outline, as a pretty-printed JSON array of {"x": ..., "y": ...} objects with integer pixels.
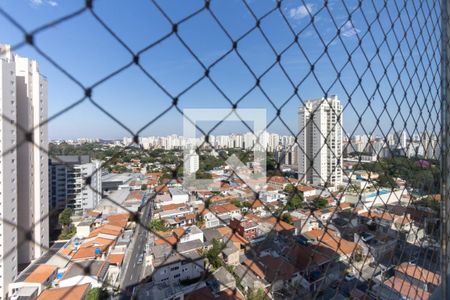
[{"x": 132, "y": 270}]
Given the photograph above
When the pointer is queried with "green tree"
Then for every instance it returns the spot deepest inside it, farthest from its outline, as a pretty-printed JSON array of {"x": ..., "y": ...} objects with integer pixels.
[
  {"x": 202, "y": 175},
  {"x": 320, "y": 203},
  {"x": 430, "y": 203},
  {"x": 143, "y": 187},
  {"x": 289, "y": 188},
  {"x": 68, "y": 231},
  {"x": 247, "y": 204},
  {"x": 258, "y": 294},
  {"x": 286, "y": 217},
  {"x": 213, "y": 254},
  {"x": 64, "y": 217},
  {"x": 208, "y": 202},
  {"x": 157, "y": 225},
  {"x": 97, "y": 294},
  {"x": 236, "y": 203},
  {"x": 295, "y": 201}
]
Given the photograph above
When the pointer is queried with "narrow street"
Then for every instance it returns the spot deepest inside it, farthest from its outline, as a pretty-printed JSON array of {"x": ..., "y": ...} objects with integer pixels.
[{"x": 132, "y": 270}]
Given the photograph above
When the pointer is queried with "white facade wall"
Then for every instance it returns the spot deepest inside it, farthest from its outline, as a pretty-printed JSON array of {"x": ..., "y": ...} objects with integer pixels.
[
  {"x": 177, "y": 197},
  {"x": 24, "y": 171},
  {"x": 181, "y": 270},
  {"x": 187, "y": 237},
  {"x": 69, "y": 185},
  {"x": 90, "y": 195},
  {"x": 8, "y": 174},
  {"x": 191, "y": 162},
  {"x": 211, "y": 220},
  {"x": 320, "y": 125},
  {"x": 32, "y": 163}
]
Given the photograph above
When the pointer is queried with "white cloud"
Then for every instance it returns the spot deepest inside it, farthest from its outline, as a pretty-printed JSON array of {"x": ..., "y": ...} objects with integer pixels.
[
  {"x": 348, "y": 30},
  {"x": 36, "y": 3},
  {"x": 300, "y": 12}
]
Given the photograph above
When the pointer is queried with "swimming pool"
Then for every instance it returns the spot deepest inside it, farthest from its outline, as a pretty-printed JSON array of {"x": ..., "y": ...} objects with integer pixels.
[{"x": 378, "y": 193}]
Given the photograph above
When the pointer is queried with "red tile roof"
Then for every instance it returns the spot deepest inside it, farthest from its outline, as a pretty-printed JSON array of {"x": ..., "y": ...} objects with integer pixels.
[
  {"x": 222, "y": 209},
  {"x": 119, "y": 220},
  {"x": 106, "y": 229},
  {"x": 419, "y": 273},
  {"x": 116, "y": 258},
  {"x": 406, "y": 289},
  {"x": 172, "y": 206},
  {"x": 77, "y": 292},
  {"x": 41, "y": 274}
]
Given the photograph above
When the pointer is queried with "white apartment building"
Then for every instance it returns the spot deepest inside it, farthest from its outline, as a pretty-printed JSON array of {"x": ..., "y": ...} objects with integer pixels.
[
  {"x": 320, "y": 125},
  {"x": 68, "y": 186},
  {"x": 23, "y": 167},
  {"x": 191, "y": 162}
]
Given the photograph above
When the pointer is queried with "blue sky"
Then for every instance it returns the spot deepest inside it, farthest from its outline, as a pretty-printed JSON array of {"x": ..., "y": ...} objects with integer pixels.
[{"x": 89, "y": 53}]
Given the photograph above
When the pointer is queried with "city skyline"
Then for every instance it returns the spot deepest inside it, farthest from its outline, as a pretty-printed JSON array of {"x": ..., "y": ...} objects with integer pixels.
[
  {"x": 134, "y": 100},
  {"x": 238, "y": 149}
]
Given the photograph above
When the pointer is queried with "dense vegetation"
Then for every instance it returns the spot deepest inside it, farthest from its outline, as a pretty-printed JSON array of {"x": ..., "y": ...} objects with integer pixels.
[
  {"x": 155, "y": 159},
  {"x": 64, "y": 220},
  {"x": 157, "y": 225},
  {"x": 97, "y": 294},
  {"x": 213, "y": 254},
  {"x": 424, "y": 178}
]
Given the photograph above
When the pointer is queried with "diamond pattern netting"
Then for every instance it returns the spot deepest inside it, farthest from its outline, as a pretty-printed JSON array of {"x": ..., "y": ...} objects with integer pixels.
[{"x": 387, "y": 72}]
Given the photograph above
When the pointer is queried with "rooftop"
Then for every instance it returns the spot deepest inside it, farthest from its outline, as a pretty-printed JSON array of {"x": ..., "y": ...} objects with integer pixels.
[
  {"x": 114, "y": 177},
  {"x": 96, "y": 268},
  {"x": 176, "y": 257},
  {"x": 41, "y": 274},
  {"x": 176, "y": 192},
  {"x": 406, "y": 289},
  {"x": 71, "y": 159},
  {"x": 77, "y": 292},
  {"x": 419, "y": 273},
  {"x": 189, "y": 246}
]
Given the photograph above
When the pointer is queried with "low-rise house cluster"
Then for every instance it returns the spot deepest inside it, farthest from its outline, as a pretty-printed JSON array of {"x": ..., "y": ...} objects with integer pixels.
[{"x": 91, "y": 259}]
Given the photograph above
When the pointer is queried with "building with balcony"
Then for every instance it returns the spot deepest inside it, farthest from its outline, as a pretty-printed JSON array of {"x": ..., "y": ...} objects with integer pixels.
[
  {"x": 75, "y": 181},
  {"x": 320, "y": 127}
]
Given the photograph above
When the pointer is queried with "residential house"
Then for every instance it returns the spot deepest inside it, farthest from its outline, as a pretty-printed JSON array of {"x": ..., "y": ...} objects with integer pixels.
[
  {"x": 84, "y": 228},
  {"x": 78, "y": 292},
  {"x": 210, "y": 219},
  {"x": 244, "y": 227},
  {"x": 277, "y": 182},
  {"x": 221, "y": 280},
  {"x": 39, "y": 279},
  {"x": 230, "y": 253},
  {"x": 306, "y": 190},
  {"x": 328, "y": 238},
  {"x": 276, "y": 270},
  {"x": 418, "y": 276},
  {"x": 249, "y": 280},
  {"x": 224, "y": 212},
  {"x": 171, "y": 267},
  {"x": 76, "y": 274},
  {"x": 313, "y": 262},
  {"x": 189, "y": 234},
  {"x": 397, "y": 288}
]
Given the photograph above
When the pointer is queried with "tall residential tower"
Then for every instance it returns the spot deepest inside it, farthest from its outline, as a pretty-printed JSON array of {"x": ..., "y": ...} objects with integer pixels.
[
  {"x": 320, "y": 142},
  {"x": 23, "y": 166}
]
